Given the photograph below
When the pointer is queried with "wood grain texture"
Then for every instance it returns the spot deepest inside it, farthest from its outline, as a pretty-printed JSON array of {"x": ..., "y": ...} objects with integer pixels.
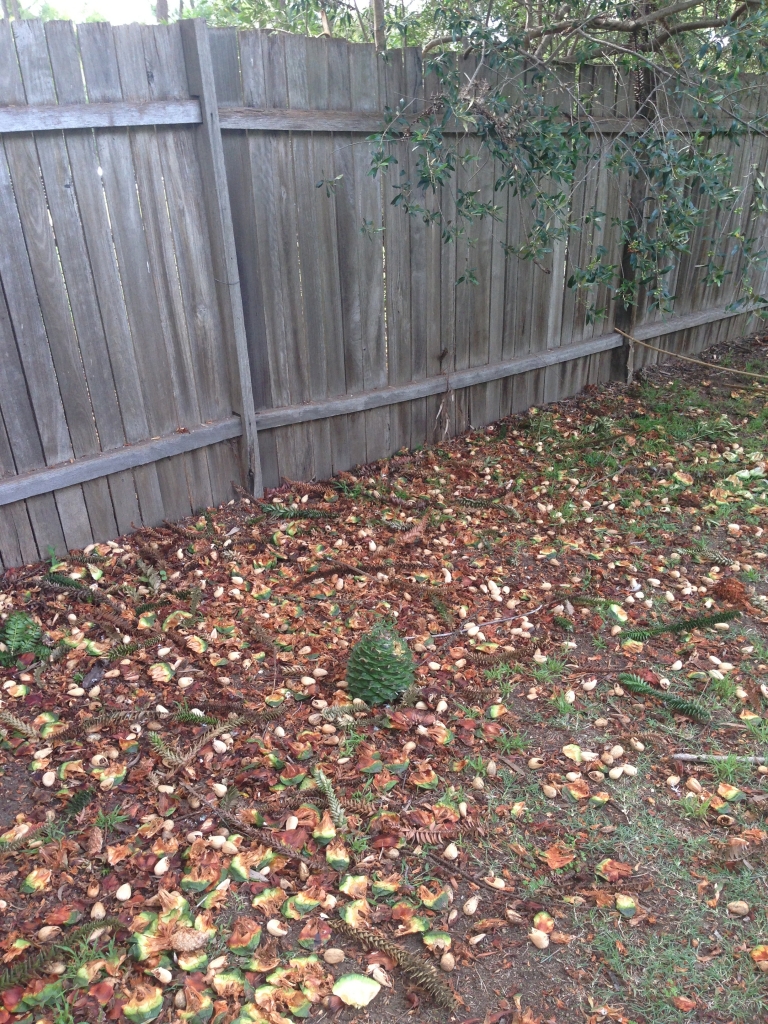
[
  {"x": 95, "y": 467},
  {"x": 210, "y": 155},
  {"x": 50, "y": 117}
]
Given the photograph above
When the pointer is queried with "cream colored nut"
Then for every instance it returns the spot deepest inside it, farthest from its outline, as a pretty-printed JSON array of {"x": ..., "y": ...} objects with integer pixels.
[
  {"x": 333, "y": 956},
  {"x": 630, "y": 769},
  {"x": 49, "y": 779},
  {"x": 219, "y": 789},
  {"x": 616, "y": 773},
  {"x": 535, "y": 763},
  {"x": 738, "y": 908},
  {"x": 123, "y": 893},
  {"x": 477, "y": 783},
  {"x": 673, "y": 780},
  {"x": 447, "y": 962},
  {"x": 162, "y": 867},
  {"x": 451, "y": 852},
  {"x": 471, "y": 905},
  {"x": 549, "y": 791},
  {"x": 637, "y": 745},
  {"x": 539, "y": 939},
  {"x": 693, "y": 785},
  {"x": 98, "y": 912},
  {"x": 276, "y": 928},
  {"x": 291, "y": 823},
  {"x": 617, "y": 751}
]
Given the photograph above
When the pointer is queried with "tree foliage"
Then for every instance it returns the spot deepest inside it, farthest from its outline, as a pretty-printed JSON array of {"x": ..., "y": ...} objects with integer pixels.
[{"x": 513, "y": 74}]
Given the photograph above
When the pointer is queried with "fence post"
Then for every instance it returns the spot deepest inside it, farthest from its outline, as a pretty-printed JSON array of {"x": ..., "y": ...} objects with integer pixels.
[{"x": 197, "y": 58}]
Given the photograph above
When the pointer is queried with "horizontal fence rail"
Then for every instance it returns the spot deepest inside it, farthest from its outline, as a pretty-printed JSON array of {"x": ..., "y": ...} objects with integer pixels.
[
  {"x": 55, "y": 117},
  {"x": 144, "y": 453},
  {"x": 98, "y": 115},
  {"x": 201, "y": 283}
]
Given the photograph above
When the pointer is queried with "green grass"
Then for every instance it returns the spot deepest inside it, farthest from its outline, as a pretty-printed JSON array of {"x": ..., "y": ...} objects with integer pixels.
[
  {"x": 109, "y": 820},
  {"x": 510, "y": 743},
  {"x": 731, "y": 770},
  {"x": 659, "y": 960}
]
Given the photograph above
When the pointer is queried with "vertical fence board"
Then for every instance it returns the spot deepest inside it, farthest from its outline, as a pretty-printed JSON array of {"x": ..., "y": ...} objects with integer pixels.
[
  {"x": 131, "y": 492},
  {"x": 348, "y": 228},
  {"x": 121, "y": 155},
  {"x": 397, "y": 224},
  {"x": 364, "y": 96}
]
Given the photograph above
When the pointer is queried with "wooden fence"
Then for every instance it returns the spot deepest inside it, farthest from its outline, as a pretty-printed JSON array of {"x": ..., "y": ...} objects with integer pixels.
[{"x": 182, "y": 306}]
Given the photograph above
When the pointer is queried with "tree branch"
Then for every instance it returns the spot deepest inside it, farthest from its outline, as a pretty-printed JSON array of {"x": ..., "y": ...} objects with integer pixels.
[
  {"x": 439, "y": 41},
  {"x": 693, "y": 26}
]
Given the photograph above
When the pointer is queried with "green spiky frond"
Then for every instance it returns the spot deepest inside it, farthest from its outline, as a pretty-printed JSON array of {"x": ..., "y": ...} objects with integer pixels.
[
  {"x": 335, "y": 807},
  {"x": 341, "y": 714},
  {"x": 680, "y": 625},
  {"x": 690, "y": 708},
  {"x": 126, "y": 650},
  {"x": 17, "y": 724},
  {"x": 21, "y": 635},
  {"x": 442, "y": 609},
  {"x": 35, "y": 963},
  {"x": 81, "y": 559},
  {"x": 96, "y": 723},
  {"x": 151, "y": 606},
  {"x": 586, "y": 601},
  {"x": 173, "y": 757},
  {"x": 59, "y": 579},
  {"x": 711, "y": 555},
  {"x": 287, "y": 512},
  {"x": 79, "y": 801},
  {"x": 185, "y": 716},
  {"x": 380, "y": 666},
  {"x": 394, "y": 524},
  {"x": 564, "y": 623},
  {"x": 489, "y": 503}
]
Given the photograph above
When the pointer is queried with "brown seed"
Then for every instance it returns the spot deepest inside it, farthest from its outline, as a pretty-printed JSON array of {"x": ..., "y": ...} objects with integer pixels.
[{"x": 333, "y": 956}]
